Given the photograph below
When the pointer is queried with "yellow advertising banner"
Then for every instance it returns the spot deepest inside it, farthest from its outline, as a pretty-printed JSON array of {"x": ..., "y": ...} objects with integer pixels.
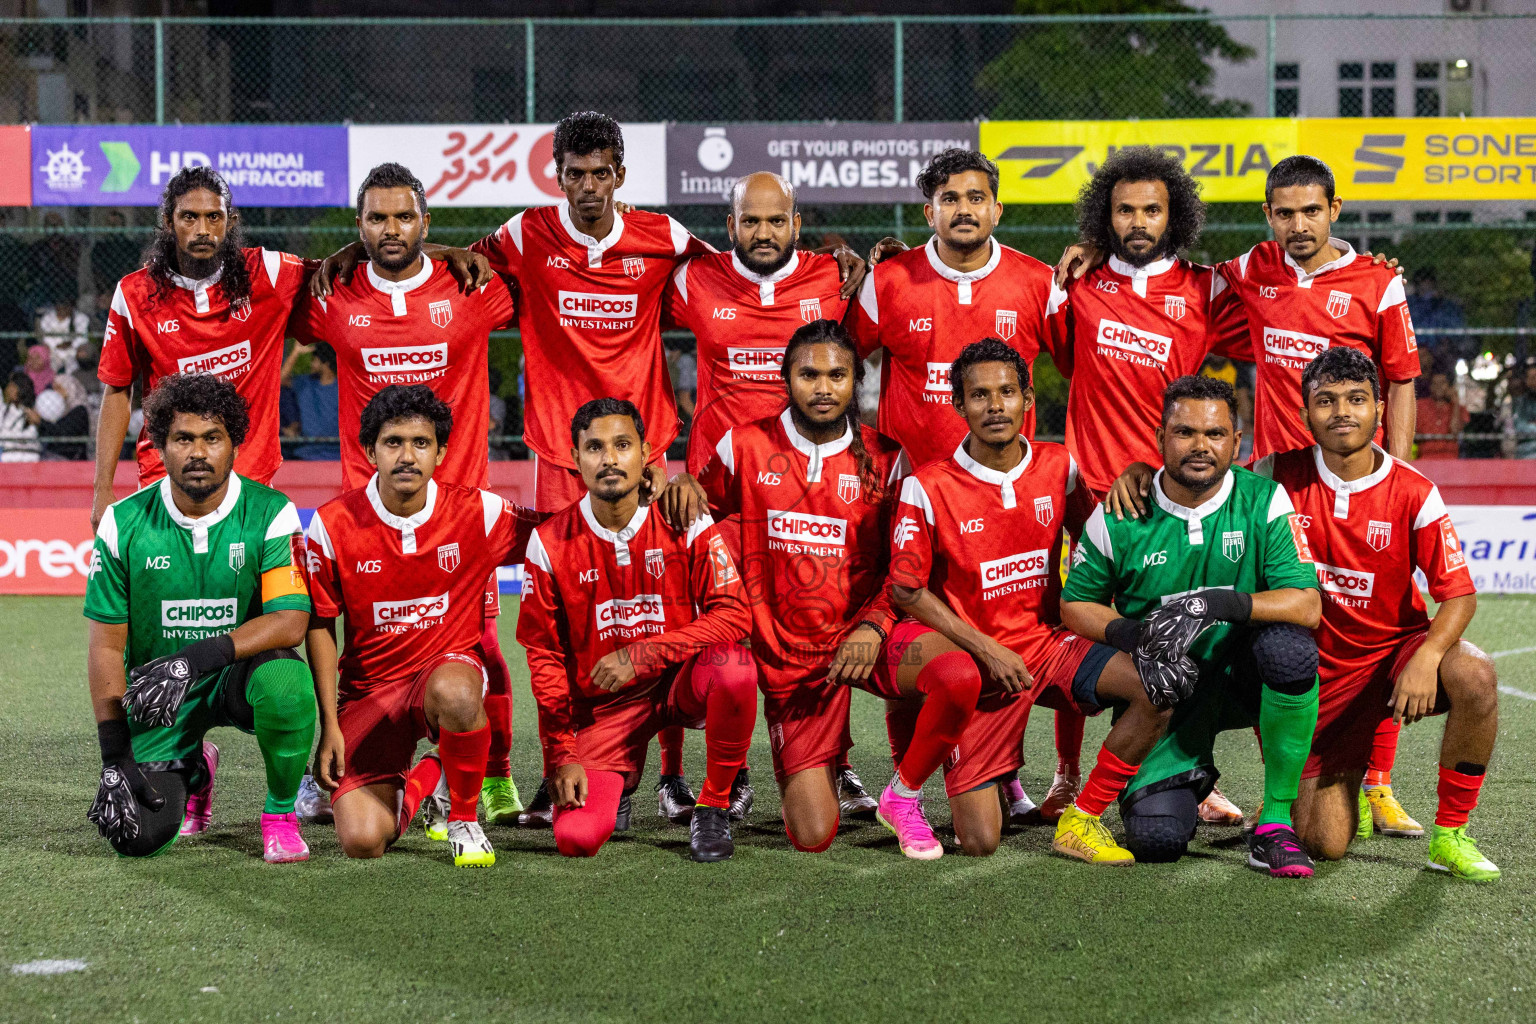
[{"x": 1433, "y": 159}]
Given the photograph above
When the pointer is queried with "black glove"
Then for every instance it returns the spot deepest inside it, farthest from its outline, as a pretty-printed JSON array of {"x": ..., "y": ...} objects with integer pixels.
[
  {"x": 115, "y": 811},
  {"x": 1171, "y": 630},
  {"x": 1168, "y": 683},
  {"x": 156, "y": 689}
]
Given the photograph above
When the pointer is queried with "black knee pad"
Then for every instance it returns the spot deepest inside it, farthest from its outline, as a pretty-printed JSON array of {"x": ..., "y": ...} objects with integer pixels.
[
  {"x": 158, "y": 828},
  {"x": 1159, "y": 826},
  {"x": 1286, "y": 656},
  {"x": 236, "y": 705}
]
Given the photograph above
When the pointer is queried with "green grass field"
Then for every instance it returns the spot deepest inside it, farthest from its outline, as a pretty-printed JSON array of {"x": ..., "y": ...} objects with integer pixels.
[{"x": 210, "y": 932}]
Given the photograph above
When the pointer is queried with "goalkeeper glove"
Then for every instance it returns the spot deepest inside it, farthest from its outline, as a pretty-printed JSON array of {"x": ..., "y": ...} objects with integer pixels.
[
  {"x": 1171, "y": 630},
  {"x": 156, "y": 689},
  {"x": 115, "y": 811}
]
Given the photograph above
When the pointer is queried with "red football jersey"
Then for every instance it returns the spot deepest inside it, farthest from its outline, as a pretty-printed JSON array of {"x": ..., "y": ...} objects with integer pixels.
[
  {"x": 590, "y": 315},
  {"x": 412, "y": 589},
  {"x": 662, "y": 594},
  {"x": 1294, "y": 316},
  {"x": 989, "y": 543},
  {"x": 742, "y": 321},
  {"x": 192, "y": 329},
  {"x": 1123, "y": 334},
  {"x": 422, "y": 330},
  {"x": 1367, "y": 537},
  {"x": 815, "y": 539},
  {"x": 923, "y": 314}
]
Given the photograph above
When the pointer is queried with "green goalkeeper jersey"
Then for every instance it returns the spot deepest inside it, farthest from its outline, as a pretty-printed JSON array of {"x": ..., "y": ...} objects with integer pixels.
[
  {"x": 1245, "y": 538},
  {"x": 175, "y": 580}
]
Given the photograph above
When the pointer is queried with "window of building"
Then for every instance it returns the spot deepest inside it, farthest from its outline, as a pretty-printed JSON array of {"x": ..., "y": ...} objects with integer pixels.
[
  {"x": 1458, "y": 216},
  {"x": 1384, "y": 88},
  {"x": 1287, "y": 91},
  {"x": 1351, "y": 97},
  {"x": 1426, "y": 216},
  {"x": 1426, "y": 88},
  {"x": 1442, "y": 88}
]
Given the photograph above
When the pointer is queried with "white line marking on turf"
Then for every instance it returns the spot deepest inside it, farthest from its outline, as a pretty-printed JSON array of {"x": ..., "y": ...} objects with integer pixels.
[
  {"x": 1512, "y": 653},
  {"x": 49, "y": 967},
  {"x": 1517, "y": 693}
]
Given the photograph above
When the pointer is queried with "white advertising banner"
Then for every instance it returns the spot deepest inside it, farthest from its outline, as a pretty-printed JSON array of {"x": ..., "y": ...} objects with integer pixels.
[
  {"x": 499, "y": 164},
  {"x": 1500, "y": 545}
]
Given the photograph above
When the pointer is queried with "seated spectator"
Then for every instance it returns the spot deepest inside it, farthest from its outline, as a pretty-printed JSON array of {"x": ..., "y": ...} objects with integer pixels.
[
  {"x": 498, "y": 417},
  {"x": 1432, "y": 311},
  {"x": 39, "y": 367},
  {"x": 1440, "y": 413},
  {"x": 317, "y": 397},
  {"x": 19, "y": 420},
  {"x": 63, "y": 413},
  {"x": 1522, "y": 412},
  {"x": 63, "y": 329},
  {"x": 684, "y": 370}
]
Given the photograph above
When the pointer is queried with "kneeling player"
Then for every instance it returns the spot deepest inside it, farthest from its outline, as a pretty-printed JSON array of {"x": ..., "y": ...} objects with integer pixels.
[
  {"x": 632, "y": 626},
  {"x": 1215, "y": 570},
  {"x": 405, "y": 560},
  {"x": 209, "y": 557},
  {"x": 1371, "y": 520},
  {"x": 983, "y": 529}
]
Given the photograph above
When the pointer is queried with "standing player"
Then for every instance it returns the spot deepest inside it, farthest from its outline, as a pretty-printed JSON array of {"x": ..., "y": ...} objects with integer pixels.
[
  {"x": 742, "y": 305},
  {"x": 976, "y": 563},
  {"x": 404, "y": 560},
  {"x": 630, "y": 626},
  {"x": 1218, "y": 571},
  {"x": 404, "y": 320},
  {"x": 196, "y": 598}
]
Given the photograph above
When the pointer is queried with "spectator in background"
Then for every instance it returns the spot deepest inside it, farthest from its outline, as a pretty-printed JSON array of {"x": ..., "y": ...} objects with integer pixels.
[
  {"x": 63, "y": 328},
  {"x": 13, "y": 289},
  {"x": 1430, "y": 311},
  {"x": 317, "y": 399},
  {"x": 62, "y": 413},
  {"x": 1427, "y": 364},
  {"x": 88, "y": 355},
  {"x": 39, "y": 366},
  {"x": 19, "y": 420},
  {"x": 1522, "y": 412},
  {"x": 1441, "y": 413},
  {"x": 684, "y": 369},
  {"x": 498, "y": 417}
]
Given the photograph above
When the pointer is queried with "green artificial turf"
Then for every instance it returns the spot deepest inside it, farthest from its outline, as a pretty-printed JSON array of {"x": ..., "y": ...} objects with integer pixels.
[{"x": 210, "y": 932}]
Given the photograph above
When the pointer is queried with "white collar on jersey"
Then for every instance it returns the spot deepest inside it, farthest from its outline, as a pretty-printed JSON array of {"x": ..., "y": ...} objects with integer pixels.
[
  {"x": 407, "y": 527},
  {"x": 1139, "y": 275},
  {"x": 1192, "y": 516},
  {"x": 962, "y": 281},
  {"x": 396, "y": 289},
  {"x": 200, "y": 525},
  {"x": 765, "y": 282},
  {"x": 1004, "y": 481},
  {"x": 620, "y": 540},
  {"x": 595, "y": 248},
  {"x": 1304, "y": 279},
  {"x": 1342, "y": 489},
  {"x": 198, "y": 288},
  {"x": 816, "y": 453}
]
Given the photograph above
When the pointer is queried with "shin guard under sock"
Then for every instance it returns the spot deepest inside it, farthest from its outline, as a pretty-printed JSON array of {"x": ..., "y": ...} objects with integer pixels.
[
  {"x": 1458, "y": 792},
  {"x": 282, "y": 698},
  {"x": 950, "y": 684},
  {"x": 1105, "y": 782},
  {"x": 1069, "y": 740},
  {"x": 498, "y": 703},
  {"x": 670, "y": 740},
  {"x": 1286, "y": 724},
  {"x": 730, "y": 713},
  {"x": 420, "y": 781},
  {"x": 463, "y": 755},
  {"x": 1378, "y": 770}
]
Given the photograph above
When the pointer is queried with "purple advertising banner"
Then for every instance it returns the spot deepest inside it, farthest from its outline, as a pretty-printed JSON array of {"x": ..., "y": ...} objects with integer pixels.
[{"x": 128, "y": 165}]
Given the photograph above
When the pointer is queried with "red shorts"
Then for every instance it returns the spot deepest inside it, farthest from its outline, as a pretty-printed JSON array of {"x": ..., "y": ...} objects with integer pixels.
[
  {"x": 382, "y": 727},
  {"x": 1351, "y": 704},
  {"x": 556, "y": 488},
  {"x": 807, "y": 727}
]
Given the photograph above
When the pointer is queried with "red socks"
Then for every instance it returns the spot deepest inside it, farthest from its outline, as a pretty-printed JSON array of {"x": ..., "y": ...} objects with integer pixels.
[
  {"x": 582, "y": 831},
  {"x": 1069, "y": 741},
  {"x": 900, "y": 722},
  {"x": 670, "y": 740},
  {"x": 950, "y": 684},
  {"x": 419, "y": 782},
  {"x": 498, "y": 703},
  {"x": 1458, "y": 794},
  {"x": 463, "y": 755},
  {"x": 1378, "y": 770},
  {"x": 730, "y": 713},
  {"x": 1105, "y": 782}
]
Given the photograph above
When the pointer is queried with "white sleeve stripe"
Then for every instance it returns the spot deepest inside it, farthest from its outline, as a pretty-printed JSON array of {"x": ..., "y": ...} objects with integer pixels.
[
  {"x": 1097, "y": 533},
  {"x": 515, "y": 231},
  {"x": 901, "y": 467},
  {"x": 274, "y": 262},
  {"x": 285, "y": 523},
  {"x": 680, "y": 279},
  {"x": 318, "y": 534},
  {"x": 1242, "y": 263},
  {"x": 680, "y": 236},
  {"x": 1218, "y": 284},
  {"x": 912, "y": 493},
  {"x": 536, "y": 555},
  {"x": 491, "y": 505},
  {"x": 868, "y": 300},
  {"x": 1071, "y": 474},
  {"x": 1393, "y": 295},
  {"x": 107, "y": 531},
  {"x": 727, "y": 452},
  {"x": 1432, "y": 511},
  {"x": 700, "y": 524},
  {"x": 1057, "y": 300},
  {"x": 120, "y": 304},
  {"x": 1279, "y": 505},
  {"x": 1265, "y": 467}
]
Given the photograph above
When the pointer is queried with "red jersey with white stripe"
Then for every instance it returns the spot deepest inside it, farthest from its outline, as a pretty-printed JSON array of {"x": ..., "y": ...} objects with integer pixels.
[
  {"x": 423, "y": 330},
  {"x": 1367, "y": 537},
  {"x": 815, "y": 539},
  {"x": 661, "y": 594},
  {"x": 989, "y": 543},
  {"x": 1294, "y": 316},
  {"x": 923, "y": 314},
  {"x": 743, "y": 321},
  {"x": 1123, "y": 334},
  {"x": 193, "y": 329},
  {"x": 411, "y": 589},
  {"x": 590, "y": 315}
]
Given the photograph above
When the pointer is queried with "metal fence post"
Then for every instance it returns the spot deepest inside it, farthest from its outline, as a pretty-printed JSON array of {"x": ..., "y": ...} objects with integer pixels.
[
  {"x": 898, "y": 69},
  {"x": 159, "y": 71},
  {"x": 528, "y": 70},
  {"x": 1269, "y": 73}
]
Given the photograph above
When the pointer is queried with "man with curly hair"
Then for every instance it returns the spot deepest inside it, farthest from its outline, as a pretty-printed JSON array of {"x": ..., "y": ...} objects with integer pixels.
[{"x": 196, "y": 598}]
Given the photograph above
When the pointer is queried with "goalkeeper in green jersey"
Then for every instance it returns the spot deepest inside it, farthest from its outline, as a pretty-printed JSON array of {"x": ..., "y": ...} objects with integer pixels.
[
  {"x": 196, "y": 598},
  {"x": 1214, "y": 594}
]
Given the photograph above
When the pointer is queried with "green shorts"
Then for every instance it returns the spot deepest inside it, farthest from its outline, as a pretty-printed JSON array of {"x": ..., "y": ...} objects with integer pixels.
[{"x": 216, "y": 699}]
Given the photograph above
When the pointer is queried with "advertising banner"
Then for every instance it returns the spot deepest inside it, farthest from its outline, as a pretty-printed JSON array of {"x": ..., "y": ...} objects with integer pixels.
[
  {"x": 1500, "y": 544},
  {"x": 15, "y": 165},
  {"x": 847, "y": 162},
  {"x": 500, "y": 164},
  {"x": 1434, "y": 158},
  {"x": 128, "y": 165}
]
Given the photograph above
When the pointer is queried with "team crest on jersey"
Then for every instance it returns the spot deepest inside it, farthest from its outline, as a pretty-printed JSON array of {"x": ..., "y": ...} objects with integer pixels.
[
  {"x": 634, "y": 266},
  {"x": 1232, "y": 544},
  {"x": 1173, "y": 307},
  {"x": 1007, "y": 323},
  {"x": 810, "y": 310},
  {"x": 237, "y": 555},
  {"x": 720, "y": 558},
  {"x": 1455, "y": 558},
  {"x": 1378, "y": 535},
  {"x": 442, "y": 312},
  {"x": 848, "y": 487},
  {"x": 448, "y": 556},
  {"x": 1338, "y": 303},
  {"x": 655, "y": 562},
  {"x": 241, "y": 310},
  {"x": 1045, "y": 510}
]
